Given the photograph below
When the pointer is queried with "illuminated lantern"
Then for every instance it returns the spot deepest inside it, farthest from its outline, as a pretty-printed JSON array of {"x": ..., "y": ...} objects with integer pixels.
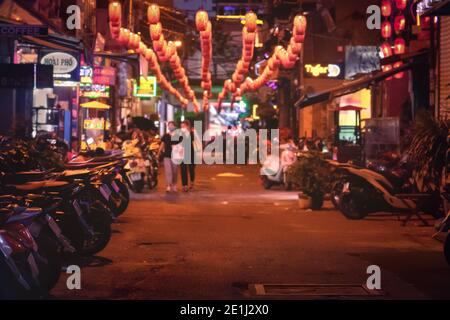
[
  {"x": 386, "y": 49},
  {"x": 158, "y": 45},
  {"x": 299, "y": 38},
  {"x": 249, "y": 37},
  {"x": 401, "y": 4},
  {"x": 386, "y": 68},
  {"x": 115, "y": 31},
  {"x": 206, "y": 85},
  {"x": 295, "y": 47},
  {"x": 155, "y": 31},
  {"x": 386, "y": 8},
  {"x": 399, "y": 23},
  {"x": 300, "y": 25},
  {"x": 399, "y": 46},
  {"x": 149, "y": 55},
  {"x": 141, "y": 49},
  {"x": 115, "y": 11},
  {"x": 171, "y": 49},
  {"x": 400, "y": 74},
  {"x": 206, "y": 35},
  {"x": 133, "y": 41},
  {"x": 153, "y": 14},
  {"x": 292, "y": 56},
  {"x": 386, "y": 30},
  {"x": 124, "y": 36},
  {"x": 201, "y": 20},
  {"x": 250, "y": 21}
]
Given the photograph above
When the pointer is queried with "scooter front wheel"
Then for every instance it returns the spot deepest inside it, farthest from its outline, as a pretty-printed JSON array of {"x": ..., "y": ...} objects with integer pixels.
[
  {"x": 351, "y": 209},
  {"x": 267, "y": 184}
]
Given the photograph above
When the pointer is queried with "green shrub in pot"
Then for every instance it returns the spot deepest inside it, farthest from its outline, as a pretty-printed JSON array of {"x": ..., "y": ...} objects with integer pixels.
[{"x": 312, "y": 175}]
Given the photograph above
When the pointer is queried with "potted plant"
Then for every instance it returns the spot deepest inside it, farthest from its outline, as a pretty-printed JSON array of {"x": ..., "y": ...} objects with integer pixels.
[{"x": 311, "y": 174}]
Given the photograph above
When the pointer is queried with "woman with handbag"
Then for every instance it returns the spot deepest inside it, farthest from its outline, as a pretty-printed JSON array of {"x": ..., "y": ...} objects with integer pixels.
[{"x": 165, "y": 155}]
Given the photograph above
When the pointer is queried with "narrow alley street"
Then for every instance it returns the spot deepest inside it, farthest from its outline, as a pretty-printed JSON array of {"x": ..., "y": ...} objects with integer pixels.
[{"x": 230, "y": 236}]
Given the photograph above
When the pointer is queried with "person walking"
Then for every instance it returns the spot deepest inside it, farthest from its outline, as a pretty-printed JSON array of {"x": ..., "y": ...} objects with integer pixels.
[
  {"x": 165, "y": 153},
  {"x": 188, "y": 164}
]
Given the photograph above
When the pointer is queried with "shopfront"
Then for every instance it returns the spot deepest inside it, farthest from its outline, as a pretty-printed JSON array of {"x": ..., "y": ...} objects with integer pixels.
[
  {"x": 55, "y": 106},
  {"x": 96, "y": 100}
]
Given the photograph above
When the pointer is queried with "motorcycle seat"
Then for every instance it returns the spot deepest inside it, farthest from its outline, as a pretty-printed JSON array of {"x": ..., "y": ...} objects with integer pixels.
[
  {"x": 84, "y": 165},
  {"x": 76, "y": 174},
  {"x": 45, "y": 185},
  {"x": 22, "y": 214}
]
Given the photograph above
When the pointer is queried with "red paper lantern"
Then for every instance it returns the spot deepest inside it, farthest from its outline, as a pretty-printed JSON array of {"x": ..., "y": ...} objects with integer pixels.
[
  {"x": 300, "y": 25},
  {"x": 115, "y": 31},
  {"x": 296, "y": 47},
  {"x": 399, "y": 23},
  {"x": 206, "y": 35},
  {"x": 171, "y": 49},
  {"x": 399, "y": 46},
  {"x": 115, "y": 11},
  {"x": 401, "y": 4},
  {"x": 249, "y": 37},
  {"x": 155, "y": 31},
  {"x": 158, "y": 45},
  {"x": 386, "y": 49},
  {"x": 141, "y": 48},
  {"x": 398, "y": 75},
  {"x": 386, "y": 30},
  {"x": 386, "y": 8},
  {"x": 299, "y": 38},
  {"x": 201, "y": 20},
  {"x": 250, "y": 21},
  {"x": 386, "y": 68},
  {"x": 153, "y": 14}
]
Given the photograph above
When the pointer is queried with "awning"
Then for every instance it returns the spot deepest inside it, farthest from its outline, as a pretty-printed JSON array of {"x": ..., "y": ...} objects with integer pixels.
[
  {"x": 95, "y": 105},
  {"x": 361, "y": 83},
  {"x": 350, "y": 108},
  {"x": 44, "y": 43},
  {"x": 440, "y": 9}
]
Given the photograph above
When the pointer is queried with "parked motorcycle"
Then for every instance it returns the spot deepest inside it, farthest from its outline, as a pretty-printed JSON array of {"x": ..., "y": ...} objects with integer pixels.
[
  {"x": 20, "y": 259},
  {"x": 137, "y": 167},
  {"x": 274, "y": 169},
  {"x": 359, "y": 191}
]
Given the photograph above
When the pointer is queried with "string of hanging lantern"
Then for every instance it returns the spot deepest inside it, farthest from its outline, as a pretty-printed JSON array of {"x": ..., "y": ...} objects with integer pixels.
[
  {"x": 204, "y": 27},
  {"x": 386, "y": 33},
  {"x": 167, "y": 52},
  {"x": 280, "y": 57},
  {"x": 399, "y": 28},
  {"x": 248, "y": 44},
  {"x": 133, "y": 42}
]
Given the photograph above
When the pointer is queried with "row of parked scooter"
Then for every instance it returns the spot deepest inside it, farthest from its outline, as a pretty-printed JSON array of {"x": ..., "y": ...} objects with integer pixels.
[{"x": 48, "y": 216}]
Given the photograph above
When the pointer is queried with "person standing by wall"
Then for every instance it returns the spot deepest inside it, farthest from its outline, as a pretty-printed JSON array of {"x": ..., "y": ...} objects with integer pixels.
[
  {"x": 188, "y": 165},
  {"x": 165, "y": 154}
]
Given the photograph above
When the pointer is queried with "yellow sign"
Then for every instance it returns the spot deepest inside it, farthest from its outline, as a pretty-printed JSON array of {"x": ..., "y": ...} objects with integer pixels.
[
  {"x": 147, "y": 87},
  {"x": 254, "y": 112},
  {"x": 96, "y": 124},
  {"x": 318, "y": 70}
]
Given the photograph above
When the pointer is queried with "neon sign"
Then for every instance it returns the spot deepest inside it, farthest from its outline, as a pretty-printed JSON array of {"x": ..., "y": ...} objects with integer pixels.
[{"x": 333, "y": 71}]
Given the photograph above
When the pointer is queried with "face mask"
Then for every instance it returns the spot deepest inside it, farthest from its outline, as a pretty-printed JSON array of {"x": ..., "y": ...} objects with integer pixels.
[{"x": 172, "y": 129}]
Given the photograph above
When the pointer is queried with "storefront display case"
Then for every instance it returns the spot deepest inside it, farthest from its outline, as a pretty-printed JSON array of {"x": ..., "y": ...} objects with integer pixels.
[{"x": 96, "y": 125}]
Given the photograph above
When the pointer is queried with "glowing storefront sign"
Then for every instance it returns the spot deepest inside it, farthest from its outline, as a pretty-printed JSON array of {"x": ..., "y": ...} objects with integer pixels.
[
  {"x": 333, "y": 71},
  {"x": 146, "y": 89}
]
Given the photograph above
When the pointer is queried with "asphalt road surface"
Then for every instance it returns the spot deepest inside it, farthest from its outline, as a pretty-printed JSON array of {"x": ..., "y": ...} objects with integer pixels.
[{"x": 231, "y": 239}]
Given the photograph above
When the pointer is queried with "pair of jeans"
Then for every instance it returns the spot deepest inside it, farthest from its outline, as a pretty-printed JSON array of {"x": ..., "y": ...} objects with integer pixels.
[
  {"x": 185, "y": 168},
  {"x": 170, "y": 170}
]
